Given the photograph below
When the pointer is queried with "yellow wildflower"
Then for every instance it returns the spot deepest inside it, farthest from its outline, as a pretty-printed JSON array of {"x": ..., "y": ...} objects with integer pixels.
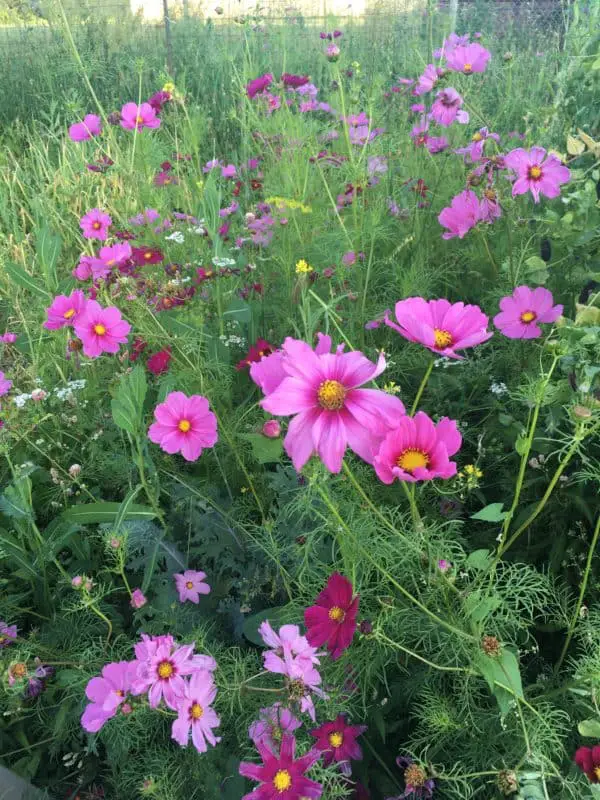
[
  {"x": 303, "y": 267},
  {"x": 169, "y": 87}
]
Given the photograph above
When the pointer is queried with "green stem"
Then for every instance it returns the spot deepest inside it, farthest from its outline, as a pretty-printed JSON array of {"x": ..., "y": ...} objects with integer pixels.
[
  {"x": 441, "y": 668},
  {"x": 489, "y": 253},
  {"x": 421, "y": 388}
]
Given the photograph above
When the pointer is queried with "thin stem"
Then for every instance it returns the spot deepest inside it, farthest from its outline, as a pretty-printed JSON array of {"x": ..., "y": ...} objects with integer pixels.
[
  {"x": 383, "y": 638},
  {"x": 489, "y": 253},
  {"x": 421, "y": 388}
]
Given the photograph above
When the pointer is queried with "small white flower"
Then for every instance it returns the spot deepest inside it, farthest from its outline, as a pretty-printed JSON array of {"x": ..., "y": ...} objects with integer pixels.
[
  {"x": 498, "y": 388},
  {"x": 176, "y": 236},
  {"x": 223, "y": 262},
  {"x": 21, "y": 399}
]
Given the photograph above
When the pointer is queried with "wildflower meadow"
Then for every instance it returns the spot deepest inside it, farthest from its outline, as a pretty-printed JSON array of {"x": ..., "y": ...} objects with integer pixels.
[{"x": 300, "y": 415}]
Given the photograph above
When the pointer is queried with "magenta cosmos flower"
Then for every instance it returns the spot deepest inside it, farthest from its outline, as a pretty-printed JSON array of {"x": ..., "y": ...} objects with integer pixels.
[
  {"x": 588, "y": 761},
  {"x": 195, "y": 713},
  {"x": 446, "y": 108},
  {"x": 101, "y": 330},
  {"x": 95, "y": 224},
  {"x": 184, "y": 425},
  {"x": 107, "y": 693},
  {"x": 81, "y": 131},
  {"x": 523, "y": 310},
  {"x": 536, "y": 172},
  {"x": 190, "y": 585},
  {"x": 282, "y": 777},
  {"x": 65, "y": 310},
  {"x": 427, "y": 80},
  {"x": 468, "y": 58},
  {"x": 162, "y": 674},
  {"x": 331, "y": 411},
  {"x": 337, "y": 741},
  {"x": 109, "y": 257},
  {"x": 138, "y": 599},
  {"x": 332, "y": 620},
  {"x": 463, "y": 214},
  {"x": 5, "y": 385},
  {"x": 474, "y": 151},
  {"x": 258, "y": 85},
  {"x": 138, "y": 117},
  {"x": 265, "y": 362},
  {"x": 272, "y": 723},
  {"x": 441, "y": 326},
  {"x": 418, "y": 450}
]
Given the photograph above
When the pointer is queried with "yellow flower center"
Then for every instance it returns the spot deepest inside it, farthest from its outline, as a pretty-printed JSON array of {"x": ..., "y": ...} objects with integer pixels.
[
  {"x": 96, "y": 225},
  {"x": 120, "y": 693},
  {"x": 597, "y": 772},
  {"x": 19, "y": 670},
  {"x": 184, "y": 426},
  {"x": 535, "y": 173},
  {"x": 477, "y": 137},
  {"x": 111, "y": 262},
  {"x": 442, "y": 338},
  {"x": 336, "y": 739},
  {"x": 528, "y": 316},
  {"x": 99, "y": 329},
  {"x": 165, "y": 669},
  {"x": 148, "y": 255},
  {"x": 282, "y": 780},
  {"x": 468, "y": 68},
  {"x": 412, "y": 459},
  {"x": 189, "y": 585},
  {"x": 139, "y": 119},
  {"x": 415, "y": 776},
  {"x": 337, "y": 614},
  {"x": 196, "y": 711},
  {"x": 490, "y": 195},
  {"x": 70, "y": 313},
  {"x": 331, "y": 395}
]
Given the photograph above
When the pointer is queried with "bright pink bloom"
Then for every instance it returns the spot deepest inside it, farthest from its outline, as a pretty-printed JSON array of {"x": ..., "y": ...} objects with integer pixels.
[
  {"x": 536, "y": 174},
  {"x": 337, "y": 741},
  {"x": 140, "y": 117},
  {"x": 8, "y": 338},
  {"x": 287, "y": 647},
  {"x": 184, "y": 425},
  {"x": 419, "y": 133},
  {"x": 441, "y": 326},
  {"x": 418, "y": 450},
  {"x": 228, "y": 171},
  {"x": 95, "y": 224},
  {"x": 282, "y": 777},
  {"x": 258, "y": 85},
  {"x": 271, "y": 429},
  {"x": 446, "y": 108},
  {"x": 5, "y": 385},
  {"x": 107, "y": 693},
  {"x": 462, "y": 215},
  {"x": 81, "y": 131},
  {"x": 521, "y": 312},
  {"x": 468, "y": 58},
  {"x": 474, "y": 151},
  {"x": 268, "y": 371},
  {"x": 294, "y": 81},
  {"x": 190, "y": 585},
  {"x": 437, "y": 144},
  {"x": 138, "y": 599},
  {"x": 588, "y": 761},
  {"x": 195, "y": 713},
  {"x": 332, "y": 620},
  {"x": 65, "y": 310},
  {"x": 158, "y": 363},
  {"x": 83, "y": 271},
  {"x": 162, "y": 674},
  {"x": 101, "y": 330},
  {"x": 330, "y": 411},
  {"x": 427, "y": 80},
  {"x": 109, "y": 257},
  {"x": 272, "y": 723}
]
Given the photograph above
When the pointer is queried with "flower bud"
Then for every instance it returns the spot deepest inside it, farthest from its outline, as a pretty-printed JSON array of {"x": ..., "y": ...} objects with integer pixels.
[
  {"x": 76, "y": 582},
  {"x": 581, "y": 412},
  {"x": 75, "y": 470},
  {"x": 138, "y": 599},
  {"x": 271, "y": 429}
]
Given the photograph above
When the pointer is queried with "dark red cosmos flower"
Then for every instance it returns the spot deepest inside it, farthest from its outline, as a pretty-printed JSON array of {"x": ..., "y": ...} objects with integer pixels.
[
  {"x": 332, "y": 619},
  {"x": 282, "y": 777},
  {"x": 158, "y": 100},
  {"x": 259, "y": 350},
  {"x": 237, "y": 188},
  {"x": 146, "y": 255},
  {"x": 337, "y": 741},
  {"x": 138, "y": 347},
  {"x": 159, "y": 362},
  {"x": 588, "y": 761},
  {"x": 294, "y": 80},
  {"x": 203, "y": 275},
  {"x": 255, "y": 184}
]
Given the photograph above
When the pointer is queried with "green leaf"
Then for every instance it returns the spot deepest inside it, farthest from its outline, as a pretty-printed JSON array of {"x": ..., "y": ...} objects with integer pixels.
[
  {"x": 97, "y": 513},
  {"x": 536, "y": 270},
  {"x": 69, "y": 677},
  {"x": 48, "y": 247},
  {"x": 239, "y": 310},
  {"x": 521, "y": 444},
  {"x": 281, "y": 615},
  {"x": 265, "y": 450},
  {"x": 232, "y": 788},
  {"x": 503, "y": 677},
  {"x": 23, "y": 279},
  {"x": 478, "y": 606},
  {"x": 589, "y": 728},
  {"x": 15, "y": 503},
  {"x": 128, "y": 404},
  {"x": 15, "y": 553},
  {"x": 491, "y": 513},
  {"x": 479, "y": 560}
]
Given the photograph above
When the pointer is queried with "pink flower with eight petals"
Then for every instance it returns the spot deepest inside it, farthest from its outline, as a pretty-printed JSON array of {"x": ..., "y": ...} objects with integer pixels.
[
  {"x": 463, "y": 214},
  {"x": 162, "y": 674},
  {"x": 95, "y": 224},
  {"x": 521, "y": 312},
  {"x": 195, "y": 713},
  {"x": 65, "y": 310},
  {"x": 140, "y": 117},
  {"x": 101, "y": 330},
  {"x": 535, "y": 173},
  {"x": 184, "y": 425},
  {"x": 337, "y": 741},
  {"x": 190, "y": 585}
]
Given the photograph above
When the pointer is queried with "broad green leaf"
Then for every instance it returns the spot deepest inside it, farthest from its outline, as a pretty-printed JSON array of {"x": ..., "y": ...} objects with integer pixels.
[
  {"x": 97, "y": 513},
  {"x": 575, "y": 147},
  {"x": 48, "y": 247},
  {"x": 491, "y": 513},
  {"x": 239, "y": 311},
  {"x": 281, "y": 615},
  {"x": 128, "y": 403},
  {"x": 478, "y": 606},
  {"x": 16, "y": 500},
  {"x": 503, "y": 677},
  {"x": 265, "y": 450},
  {"x": 589, "y": 728},
  {"x": 479, "y": 560},
  {"x": 521, "y": 445},
  {"x": 23, "y": 279}
]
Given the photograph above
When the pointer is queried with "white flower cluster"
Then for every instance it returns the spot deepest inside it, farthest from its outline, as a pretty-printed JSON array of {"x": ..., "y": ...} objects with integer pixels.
[
  {"x": 223, "y": 262},
  {"x": 233, "y": 339},
  {"x": 498, "y": 388},
  {"x": 62, "y": 393}
]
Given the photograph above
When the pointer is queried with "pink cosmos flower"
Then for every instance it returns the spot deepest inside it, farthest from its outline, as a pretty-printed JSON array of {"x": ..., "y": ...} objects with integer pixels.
[
  {"x": 107, "y": 693},
  {"x": 272, "y": 723},
  {"x": 437, "y": 144},
  {"x": 489, "y": 207},
  {"x": 147, "y": 217},
  {"x": 190, "y": 585},
  {"x": 139, "y": 117},
  {"x": 468, "y": 58},
  {"x": 138, "y": 599},
  {"x": 288, "y": 646},
  {"x": 267, "y": 372},
  {"x": 83, "y": 271},
  {"x": 462, "y": 215},
  {"x": 184, "y": 425},
  {"x": 8, "y": 633},
  {"x": 535, "y": 173},
  {"x": 332, "y": 620},
  {"x": 162, "y": 674},
  {"x": 195, "y": 713},
  {"x": 109, "y": 257},
  {"x": 446, "y": 108},
  {"x": 101, "y": 330},
  {"x": 419, "y": 132},
  {"x": 81, "y": 131},
  {"x": 228, "y": 171},
  {"x": 271, "y": 429},
  {"x": 281, "y": 776},
  {"x": 521, "y": 312},
  {"x": 95, "y": 224},
  {"x": 5, "y": 385},
  {"x": 427, "y": 80},
  {"x": 258, "y": 85},
  {"x": 418, "y": 450},
  {"x": 8, "y": 338},
  {"x": 474, "y": 151},
  {"x": 65, "y": 310},
  {"x": 337, "y": 741},
  {"x": 158, "y": 363},
  {"x": 331, "y": 411},
  {"x": 441, "y": 326}
]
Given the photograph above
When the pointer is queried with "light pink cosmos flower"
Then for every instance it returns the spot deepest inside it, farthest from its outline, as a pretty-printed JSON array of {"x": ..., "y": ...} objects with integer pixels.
[
  {"x": 195, "y": 713},
  {"x": 304, "y": 682},
  {"x": 427, "y": 80},
  {"x": 418, "y": 450},
  {"x": 5, "y": 385},
  {"x": 489, "y": 207},
  {"x": 107, "y": 693},
  {"x": 82, "y": 131},
  {"x": 184, "y": 425},
  {"x": 441, "y": 326},
  {"x": 138, "y": 599},
  {"x": 287, "y": 646},
  {"x": 101, "y": 330},
  {"x": 140, "y": 117},
  {"x": 468, "y": 58},
  {"x": 228, "y": 171},
  {"x": 331, "y": 411},
  {"x": 474, "y": 151},
  {"x": 446, "y": 108},
  {"x": 95, "y": 224},
  {"x": 462, "y": 215},
  {"x": 109, "y": 257},
  {"x": 65, "y": 310},
  {"x": 437, "y": 144},
  {"x": 268, "y": 373},
  {"x": 162, "y": 674},
  {"x": 521, "y": 312},
  {"x": 535, "y": 173},
  {"x": 83, "y": 271},
  {"x": 190, "y": 585},
  {"x": 8, "y": 338}
]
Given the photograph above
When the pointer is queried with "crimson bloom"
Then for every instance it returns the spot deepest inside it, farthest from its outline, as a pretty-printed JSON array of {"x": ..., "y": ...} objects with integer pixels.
[
  {"x": 294, "y": 81},
  {"x": 134, "y": 117},
  {"x": 588, "y": 761},
  {"x": 65, "y": 310},
  {"x": 184, "y": 425},
  {"x": 282, "y": 777},
  {"x": 337, "y": 741},
  {"x": 158, "y": 363},
  {"x": 536, "y": 172},
  {"x": 332, "y": 620},
  {"x": 82, "y": 131},
  {"x": 521, "y": 312},
  {"x": 258, "y": 85},
  {"x": 146, "y": 255},
  {"x": 463, "y": 214},
  {"x": 260, "y": 349},
  {"x": 95, "y": 224},
  {"x": 101, "y": 330}
]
